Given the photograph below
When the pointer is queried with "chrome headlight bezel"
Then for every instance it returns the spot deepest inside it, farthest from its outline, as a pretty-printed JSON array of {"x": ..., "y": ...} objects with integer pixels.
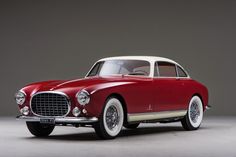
[
  {"x": 83, "y": 97},
  {"x": 20, "y": 97}
]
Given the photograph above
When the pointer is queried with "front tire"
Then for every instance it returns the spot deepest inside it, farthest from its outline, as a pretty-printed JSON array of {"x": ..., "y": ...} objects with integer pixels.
[
  {"x": 39, "y": 130},
  {"x": 193, "y": 118},
  {"x": 111, "y": 120}
]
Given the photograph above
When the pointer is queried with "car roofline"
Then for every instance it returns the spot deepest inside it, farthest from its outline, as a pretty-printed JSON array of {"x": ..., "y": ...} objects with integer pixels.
[
  {"x": 151, "y": 59},
  {"x": 146, "y": 58}
]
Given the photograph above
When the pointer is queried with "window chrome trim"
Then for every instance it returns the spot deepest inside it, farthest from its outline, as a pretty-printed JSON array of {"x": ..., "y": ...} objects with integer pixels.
[
  {"x": 136, "y": 117},
  {"x": 53, "y": 92},
  {"x": 152, "y": 69},
  {"x": 91, "y": 69},
  {"x": 187, "y": 75},
  {"x": 176, "y": 69},
  {"x": 150, "y": 75},
  {"x": 157, "y": 68}
]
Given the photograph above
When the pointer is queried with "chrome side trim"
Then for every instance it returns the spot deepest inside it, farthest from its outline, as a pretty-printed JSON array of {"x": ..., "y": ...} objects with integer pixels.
[
  {"x": 59, "y": 120},
  {"x": 134, "y": 117},
  {"x": 54, "y": 92}
]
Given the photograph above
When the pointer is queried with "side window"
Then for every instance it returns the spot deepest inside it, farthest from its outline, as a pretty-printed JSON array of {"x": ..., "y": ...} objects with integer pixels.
[
  {"x": 181, "y": 72},
  {"x": 142, "y": 70},
  {"x": 166, "y": 69},
  {"x": 95, "y": 69},
  {"x": 109, "y": 68}
]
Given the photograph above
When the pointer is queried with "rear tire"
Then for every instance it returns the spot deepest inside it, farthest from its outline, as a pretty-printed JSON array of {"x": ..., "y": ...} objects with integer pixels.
[
  {"x": 111, "y": 121},
  {"x": 39, "y": 130},
  {"x": 193, "y": 118},
  {"x": 131, "y": 126}
]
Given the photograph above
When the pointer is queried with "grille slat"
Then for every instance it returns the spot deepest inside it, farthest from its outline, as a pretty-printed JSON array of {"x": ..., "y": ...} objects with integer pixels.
[{"x": 50, "y": 104}]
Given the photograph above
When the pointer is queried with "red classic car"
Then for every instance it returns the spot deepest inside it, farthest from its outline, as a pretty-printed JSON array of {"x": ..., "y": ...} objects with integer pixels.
[{"x": 116, "y": 92}]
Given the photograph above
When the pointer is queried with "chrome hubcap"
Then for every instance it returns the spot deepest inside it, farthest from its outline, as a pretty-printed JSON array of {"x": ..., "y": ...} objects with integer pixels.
[
  {"x": 194, "y": 112},
  {"x": 112, "y": 117}
]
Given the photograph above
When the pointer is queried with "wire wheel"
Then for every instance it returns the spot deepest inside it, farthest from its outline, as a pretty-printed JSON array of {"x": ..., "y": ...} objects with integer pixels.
[
  {"x": 112, "y": 119},
  {"x": 193, "y": 118},
  {"x": 195, "y": 111}
]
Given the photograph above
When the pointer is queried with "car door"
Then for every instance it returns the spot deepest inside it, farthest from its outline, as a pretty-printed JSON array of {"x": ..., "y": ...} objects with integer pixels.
[{"x": 166, "y": 86}]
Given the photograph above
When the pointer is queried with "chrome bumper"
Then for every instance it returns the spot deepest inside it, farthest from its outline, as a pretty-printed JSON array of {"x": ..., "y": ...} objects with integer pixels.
[
  {"x": 68, "y": 120},
  {"x": 208, "y": 107}
]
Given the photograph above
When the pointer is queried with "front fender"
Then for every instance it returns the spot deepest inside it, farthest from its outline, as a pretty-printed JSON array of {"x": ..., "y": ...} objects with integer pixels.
[{"x": 100, "y": 92}]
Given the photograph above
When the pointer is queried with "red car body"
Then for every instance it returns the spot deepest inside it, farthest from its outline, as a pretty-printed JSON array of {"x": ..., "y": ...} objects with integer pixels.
[
  {"x": 163, "y": 94},
  {"x": 145, "y": 94}
]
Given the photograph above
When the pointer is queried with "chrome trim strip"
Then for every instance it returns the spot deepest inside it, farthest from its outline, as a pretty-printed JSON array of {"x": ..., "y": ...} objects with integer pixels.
[
  {"x": 176, "y": 69},
  {"x": 54, "y": 92},
  {"x": 155, "y": 115},
  {"x": 60, "y": 120}
]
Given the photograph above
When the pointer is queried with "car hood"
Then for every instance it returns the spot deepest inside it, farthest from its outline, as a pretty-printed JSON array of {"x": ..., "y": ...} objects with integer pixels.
[{"x": 72, "y": 86}]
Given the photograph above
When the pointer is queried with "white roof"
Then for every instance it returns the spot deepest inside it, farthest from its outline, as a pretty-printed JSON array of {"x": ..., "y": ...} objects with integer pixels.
[
  {"x": 146, "y": 58},
  {"x": 151, "y": 59}
]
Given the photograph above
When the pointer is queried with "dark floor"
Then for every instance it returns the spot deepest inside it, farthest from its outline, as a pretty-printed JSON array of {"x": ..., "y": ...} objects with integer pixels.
[{"x": 215, "y": 138}]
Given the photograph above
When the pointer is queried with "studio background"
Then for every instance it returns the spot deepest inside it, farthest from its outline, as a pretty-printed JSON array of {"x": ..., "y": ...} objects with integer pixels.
[{"x": 45, "y": 40}]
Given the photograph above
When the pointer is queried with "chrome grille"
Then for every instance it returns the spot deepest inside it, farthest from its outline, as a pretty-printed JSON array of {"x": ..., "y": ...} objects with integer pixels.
[{"x": 50, "y": 104}]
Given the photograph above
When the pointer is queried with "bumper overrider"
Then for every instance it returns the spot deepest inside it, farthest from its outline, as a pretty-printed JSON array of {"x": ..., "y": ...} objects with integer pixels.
[{"x": 59, "y": 120}]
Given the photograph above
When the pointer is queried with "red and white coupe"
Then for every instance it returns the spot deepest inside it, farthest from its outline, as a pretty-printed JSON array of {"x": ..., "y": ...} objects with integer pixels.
[{"x": 116, "y": 92}]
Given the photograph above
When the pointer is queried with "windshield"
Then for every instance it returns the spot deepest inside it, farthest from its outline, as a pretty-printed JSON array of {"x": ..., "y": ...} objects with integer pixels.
[{"x": 124, "y": 67}]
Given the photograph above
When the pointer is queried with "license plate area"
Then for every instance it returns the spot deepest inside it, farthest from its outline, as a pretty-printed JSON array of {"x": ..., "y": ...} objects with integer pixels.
[{"x": 47, "y": 120}]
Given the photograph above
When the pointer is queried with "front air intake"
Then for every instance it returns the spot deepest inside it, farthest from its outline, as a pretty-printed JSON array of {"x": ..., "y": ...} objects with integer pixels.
[{"x": 50, "y": 104}]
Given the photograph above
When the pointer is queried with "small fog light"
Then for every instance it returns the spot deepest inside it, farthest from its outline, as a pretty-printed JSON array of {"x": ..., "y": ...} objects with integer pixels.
[
  {"x": 25, "y": 110},
  {"x": 76, "y": 111},
  {"x": 84, "y": 111}
]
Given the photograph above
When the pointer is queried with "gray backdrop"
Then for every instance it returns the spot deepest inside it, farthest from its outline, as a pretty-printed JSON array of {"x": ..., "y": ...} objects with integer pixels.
[{"x": 43, "y": 40}]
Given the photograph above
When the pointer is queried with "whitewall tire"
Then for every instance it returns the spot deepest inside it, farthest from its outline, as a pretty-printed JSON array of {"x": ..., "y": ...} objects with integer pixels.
[
  {"x": 194, "y": 116},
  {"x": 111, "y": 120}
]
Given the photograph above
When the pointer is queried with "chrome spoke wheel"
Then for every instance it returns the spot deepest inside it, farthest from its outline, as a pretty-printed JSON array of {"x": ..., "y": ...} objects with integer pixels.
[
  {"x": 195, "y": 111},
  {"x": 112, "y": 117}
]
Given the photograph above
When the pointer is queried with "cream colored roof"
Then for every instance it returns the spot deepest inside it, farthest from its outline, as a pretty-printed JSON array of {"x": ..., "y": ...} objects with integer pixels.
[{"x": 147, "y": 58}]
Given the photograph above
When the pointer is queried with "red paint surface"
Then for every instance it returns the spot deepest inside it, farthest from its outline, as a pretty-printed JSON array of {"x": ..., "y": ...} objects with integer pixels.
[{"x": 141, "y": 94}]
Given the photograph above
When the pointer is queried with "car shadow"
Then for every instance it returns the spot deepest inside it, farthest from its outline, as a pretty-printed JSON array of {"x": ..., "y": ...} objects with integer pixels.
[{"x": 91, "y": 136}]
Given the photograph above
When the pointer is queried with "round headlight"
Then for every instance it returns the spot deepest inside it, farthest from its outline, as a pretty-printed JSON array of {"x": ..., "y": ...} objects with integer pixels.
[
  {"x": 20, "y": 97},
  {"x": 83, "y": 97}
]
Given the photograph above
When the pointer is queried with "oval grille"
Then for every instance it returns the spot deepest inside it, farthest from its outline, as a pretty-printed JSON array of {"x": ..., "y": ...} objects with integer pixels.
[{"x": 50, "y": 104}]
